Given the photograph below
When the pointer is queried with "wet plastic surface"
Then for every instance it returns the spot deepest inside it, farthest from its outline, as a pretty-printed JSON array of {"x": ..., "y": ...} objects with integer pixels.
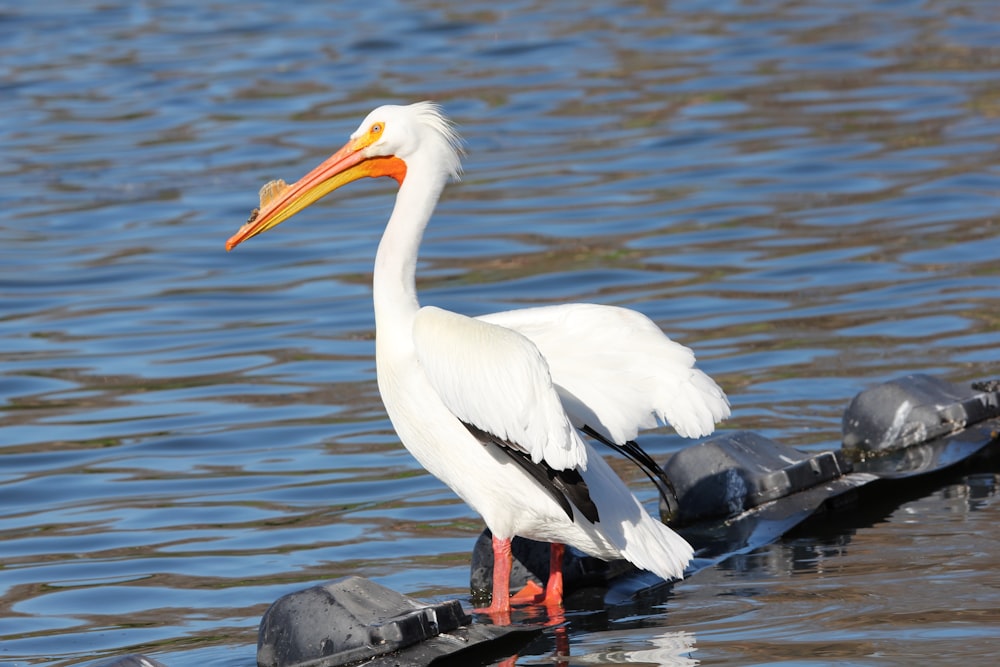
[
  {"x": 739, "y": 491},
  {"x": 354, "y": 620},
  {"x": 737, "y": 471},
  {"x": 911, "y": 410},
  {"x": 736, "y": 492}
]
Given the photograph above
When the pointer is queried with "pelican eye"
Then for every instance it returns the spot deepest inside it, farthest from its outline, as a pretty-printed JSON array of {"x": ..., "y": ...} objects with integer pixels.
[{"x": 375, "y": 129}]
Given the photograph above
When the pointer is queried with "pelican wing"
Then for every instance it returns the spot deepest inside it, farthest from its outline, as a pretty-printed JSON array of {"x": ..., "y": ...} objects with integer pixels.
[
  {"x": 496, "y": 380},
  {"x": 617, "y": 372}
]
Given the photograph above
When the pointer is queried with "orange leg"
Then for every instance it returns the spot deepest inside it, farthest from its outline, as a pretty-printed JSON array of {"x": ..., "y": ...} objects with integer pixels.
[
  {"x": 503, "y": 561},
  {"x": 552, "y": 595},
  {"x": 554, "y": 586}
]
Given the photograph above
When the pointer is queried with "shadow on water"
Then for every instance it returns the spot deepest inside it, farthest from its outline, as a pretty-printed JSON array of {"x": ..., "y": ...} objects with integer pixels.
[{"x": 806, "y": 195}]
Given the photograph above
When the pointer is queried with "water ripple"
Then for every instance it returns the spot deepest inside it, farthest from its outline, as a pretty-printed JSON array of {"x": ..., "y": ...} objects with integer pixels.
[{"x": 806, "y": 194}]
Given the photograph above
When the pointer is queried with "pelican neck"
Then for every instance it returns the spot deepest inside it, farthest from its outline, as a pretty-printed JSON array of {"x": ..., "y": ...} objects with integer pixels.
[{"x": 394, "y": 279}]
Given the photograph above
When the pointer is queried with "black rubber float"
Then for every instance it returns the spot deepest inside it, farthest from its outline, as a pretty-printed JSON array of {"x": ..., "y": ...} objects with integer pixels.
[
  {"x": 734, "y": 492},
  {"x": 739, "y": 490},
  {"x": 354, "y": 620}
]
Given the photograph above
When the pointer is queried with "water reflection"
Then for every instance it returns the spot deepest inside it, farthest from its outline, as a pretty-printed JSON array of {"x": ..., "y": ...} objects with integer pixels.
[
  {"x": 663, "y": 648},
  {"x": 833, "y": 589}
]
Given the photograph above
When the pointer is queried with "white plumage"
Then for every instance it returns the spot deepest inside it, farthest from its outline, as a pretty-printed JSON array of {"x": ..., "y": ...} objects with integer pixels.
[
  {"x": 617, "y": 372},
  {"x": 496, "y": 379},
  {"x": 491, "y": 405}
]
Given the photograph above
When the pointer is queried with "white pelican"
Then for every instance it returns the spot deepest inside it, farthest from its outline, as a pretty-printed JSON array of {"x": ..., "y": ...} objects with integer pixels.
[{"x": 492, "y": 405}]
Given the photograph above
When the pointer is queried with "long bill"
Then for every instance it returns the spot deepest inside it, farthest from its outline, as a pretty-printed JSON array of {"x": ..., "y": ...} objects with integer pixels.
[{"x": 346, "y": 165}]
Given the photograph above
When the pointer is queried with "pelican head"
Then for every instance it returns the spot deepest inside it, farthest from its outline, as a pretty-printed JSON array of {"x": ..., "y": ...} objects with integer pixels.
[{"x": 390, "y": 141}]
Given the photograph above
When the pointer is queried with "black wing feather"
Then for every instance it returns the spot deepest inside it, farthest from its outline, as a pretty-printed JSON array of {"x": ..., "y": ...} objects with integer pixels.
[
  {"x": 646, "y": 463},
  {"x": 565, "y": 486}
]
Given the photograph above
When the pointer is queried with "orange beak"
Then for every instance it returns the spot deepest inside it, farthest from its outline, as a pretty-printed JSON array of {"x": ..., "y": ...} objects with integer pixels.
[{"x": 346, "y": 165}]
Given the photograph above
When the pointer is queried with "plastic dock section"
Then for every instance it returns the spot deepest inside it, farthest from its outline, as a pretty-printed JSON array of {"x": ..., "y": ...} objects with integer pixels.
[{"x": 731, "y": 494}]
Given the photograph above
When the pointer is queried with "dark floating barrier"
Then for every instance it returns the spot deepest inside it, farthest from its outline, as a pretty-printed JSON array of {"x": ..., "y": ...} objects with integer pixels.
[
  {"x": 740, "y": 490},
  {"x": 354, "y": 620},
  {"x": 734, "y": 492}
]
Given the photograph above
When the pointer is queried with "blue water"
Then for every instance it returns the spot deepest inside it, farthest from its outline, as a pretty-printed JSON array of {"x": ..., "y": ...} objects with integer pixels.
[{"x": 805, "y": 194}]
